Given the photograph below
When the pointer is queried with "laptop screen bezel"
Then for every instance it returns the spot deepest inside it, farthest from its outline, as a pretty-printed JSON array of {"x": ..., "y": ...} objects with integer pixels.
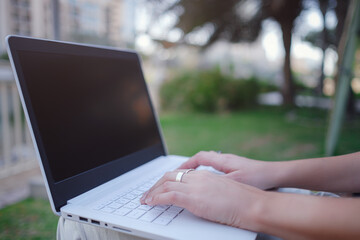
[{"x": 60, "y": 192}]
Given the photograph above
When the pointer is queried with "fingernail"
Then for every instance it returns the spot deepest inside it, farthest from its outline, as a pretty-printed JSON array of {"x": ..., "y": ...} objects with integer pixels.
[
  {"x": 148, "y": 200},
  {"x": 144, "y": 195}
]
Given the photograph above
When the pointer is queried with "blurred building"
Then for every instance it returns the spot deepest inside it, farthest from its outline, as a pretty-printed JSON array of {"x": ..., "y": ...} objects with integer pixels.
[{"x": 109, "y": 22}]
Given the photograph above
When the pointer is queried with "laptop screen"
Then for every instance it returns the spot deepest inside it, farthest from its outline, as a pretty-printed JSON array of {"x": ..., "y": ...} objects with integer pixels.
[{"x": 90, "y": 110}]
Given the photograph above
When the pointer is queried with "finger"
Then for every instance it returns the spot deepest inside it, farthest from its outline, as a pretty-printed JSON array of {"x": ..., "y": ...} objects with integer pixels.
[
  {"x": 179, "y": 199},
  {"x": 169, "y": 176},
  {"x": 201, "y": 158},
  {"x": 231, "y": 175},
  {"x": 168, "y": 179},
  {"x": 166, "y": 187},
  {"x": 212, "y": 159}
]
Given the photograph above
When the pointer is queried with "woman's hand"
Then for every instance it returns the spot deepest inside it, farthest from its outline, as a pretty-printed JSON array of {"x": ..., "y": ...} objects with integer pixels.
[
  {"x": 252, "y": 172},
  {"x": 207, "y": 195}
]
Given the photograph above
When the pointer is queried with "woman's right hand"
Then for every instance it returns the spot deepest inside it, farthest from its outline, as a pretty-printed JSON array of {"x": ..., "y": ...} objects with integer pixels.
[{"x": 252, "y": 172}]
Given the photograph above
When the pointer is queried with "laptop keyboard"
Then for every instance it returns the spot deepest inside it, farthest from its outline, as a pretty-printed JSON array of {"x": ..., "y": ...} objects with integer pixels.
[{"x": 127, "y": 204}]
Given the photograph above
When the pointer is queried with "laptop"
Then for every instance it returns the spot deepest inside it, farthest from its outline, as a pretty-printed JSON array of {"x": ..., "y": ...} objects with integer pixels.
[{"x": 98, "y": 139}]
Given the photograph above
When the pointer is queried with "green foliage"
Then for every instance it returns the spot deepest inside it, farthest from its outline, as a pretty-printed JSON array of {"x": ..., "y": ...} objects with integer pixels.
[
  {"x": 208, "y": 91},
  {"x": 4, "y": 56},
  {"x": 266, "y": 87}
]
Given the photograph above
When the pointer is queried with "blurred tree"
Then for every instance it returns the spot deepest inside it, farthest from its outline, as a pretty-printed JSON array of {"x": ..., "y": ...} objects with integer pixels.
[
  {"x": 327, "y": 38},
  {"x": 322, "y": 39},
  {"x": 241, "y": 20},
  {"x": 285, "y": 12}
]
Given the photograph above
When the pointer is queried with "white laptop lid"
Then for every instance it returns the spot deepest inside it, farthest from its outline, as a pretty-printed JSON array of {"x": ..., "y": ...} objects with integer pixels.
[{"x": 89, "y": 111}]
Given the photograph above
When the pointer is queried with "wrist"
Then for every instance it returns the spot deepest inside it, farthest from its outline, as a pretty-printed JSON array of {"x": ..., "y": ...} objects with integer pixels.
[
  {"x": 262, "y": 213},
  {"x": 271, "y": 175},
  {"x": 256, "y": 211},
  {"x": 278, "y": 174},
  {"x": 249, "y": 213}
]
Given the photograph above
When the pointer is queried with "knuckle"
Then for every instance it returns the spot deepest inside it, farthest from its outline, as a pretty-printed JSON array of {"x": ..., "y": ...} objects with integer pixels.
[
  {"x": 173, "y": 196},
  {"x": 227, "y": 157},
  {"x": 204, "y": 173},
  {"x": 201, "y": 153},
  {"x": 167, "y": 175},
  {"x": 166, "y": 186}
]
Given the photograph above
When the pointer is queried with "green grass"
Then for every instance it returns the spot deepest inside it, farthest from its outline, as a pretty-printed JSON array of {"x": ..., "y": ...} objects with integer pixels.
[
  {"x": 29, "y": 219},
  {"x": 264, "y": 133}
]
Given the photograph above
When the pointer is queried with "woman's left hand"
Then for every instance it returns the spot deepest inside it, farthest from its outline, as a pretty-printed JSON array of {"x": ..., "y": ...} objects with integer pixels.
[{"x": 207, "y": 195}]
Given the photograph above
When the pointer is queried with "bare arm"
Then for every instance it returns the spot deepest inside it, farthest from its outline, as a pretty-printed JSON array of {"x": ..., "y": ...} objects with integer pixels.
[
  {"x": 337, "y": 174},
  {"x": 334, "y": 174},
  {"x": 289, "y": 216},
  {"x": 292, "y": 216}
]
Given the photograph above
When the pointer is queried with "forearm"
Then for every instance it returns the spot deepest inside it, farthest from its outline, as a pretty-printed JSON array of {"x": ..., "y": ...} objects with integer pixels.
[
  {"x": 291, "y": 216},
  {"x": 337, "y": 174}
]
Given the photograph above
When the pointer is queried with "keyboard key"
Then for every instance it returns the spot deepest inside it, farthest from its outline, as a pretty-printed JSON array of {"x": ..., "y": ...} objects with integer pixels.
[
  {"x": 107, "y": 209},
  {"x": 137, "y": 192},
  {"x": 130, "y": 196},
  {"x": 115, "y": 197},
  {"x": 122, "y": 211},
  {"x": 163, "y": 220},
  {"x": 148, "y": 185},
  {"x": 132, "y": 205},
  {"x": 151, "y": 215},
  {"x": 174, "y": 209},
  {"x": 169, "y": 214},
  {"x": 99, "y": 206},
  {"x": 107, "y": 202},
  {"x": 161, "y": 207},
  {"x": 122, "y": 201},
  {"x": 136, "y": 213},
  {"x": 137, "y": 198},
  {"x": 115, "y": 205},
  {"x": 145, "y": 207},
  {"x": 143, "y": 189}
]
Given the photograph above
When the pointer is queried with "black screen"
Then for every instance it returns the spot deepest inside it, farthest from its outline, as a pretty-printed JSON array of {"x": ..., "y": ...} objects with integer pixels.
[{"x": 89, "y": 110}]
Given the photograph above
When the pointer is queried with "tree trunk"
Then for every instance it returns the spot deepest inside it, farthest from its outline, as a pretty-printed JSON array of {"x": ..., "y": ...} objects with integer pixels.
[
  {"x": 285, "y": 12},
  {"x": 288, "y": 90}
]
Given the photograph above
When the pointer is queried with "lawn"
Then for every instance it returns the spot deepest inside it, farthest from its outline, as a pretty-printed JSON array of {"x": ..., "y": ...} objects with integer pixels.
[
  {"x": 265, "y": 133},
  {"x": 29, "y": 219},
  {"x": 271, "y": 134}
]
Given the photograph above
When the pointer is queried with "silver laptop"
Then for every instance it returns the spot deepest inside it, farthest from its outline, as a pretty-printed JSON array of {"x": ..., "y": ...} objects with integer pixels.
[{"x": 98, "y": 140}]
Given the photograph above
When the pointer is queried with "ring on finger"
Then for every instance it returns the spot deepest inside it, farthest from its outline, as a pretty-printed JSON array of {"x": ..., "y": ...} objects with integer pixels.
[
  {"x": 181, "y": 174},
  {"x": 189, "y": 170}
]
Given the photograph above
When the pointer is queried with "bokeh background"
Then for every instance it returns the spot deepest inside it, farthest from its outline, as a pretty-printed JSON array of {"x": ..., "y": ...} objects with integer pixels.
[{"x": 265, "y": 79}]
